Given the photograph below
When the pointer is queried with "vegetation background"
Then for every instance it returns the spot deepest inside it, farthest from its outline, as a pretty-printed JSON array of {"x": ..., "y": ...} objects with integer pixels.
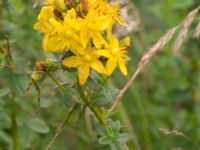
[{"x": 166, "y": 95}]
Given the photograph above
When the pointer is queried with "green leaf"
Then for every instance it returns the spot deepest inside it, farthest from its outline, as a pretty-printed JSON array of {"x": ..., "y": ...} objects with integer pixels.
[
  {"x": 123, "y": 137},
  {"x": 106, "y": 96},
  {"x": 180, "y": 5},
  {"x": 38, "y": 125},
  {"x": 5, "y": 120},
  {"x": 105, "y": 140},
  {"x": 45, "y": 103},
  {"x": 116, "y": 146},
  {"x": 116, "y": 126},
  {"x": 5, "y": 137},
  {"x": 4, "y": 92},
  {"x": 18, "y": 83}
]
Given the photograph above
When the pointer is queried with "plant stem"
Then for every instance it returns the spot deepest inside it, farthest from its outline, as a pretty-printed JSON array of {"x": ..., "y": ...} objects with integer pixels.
[
  {"x": 88, "y": 104},
  {"x": 57, "y": 83},
  {"x": 61, "y": 127},
  {"x": 144, "y": 118},
  {"x": 14, "y": 126},
  {"x": 131, "y": 130}
]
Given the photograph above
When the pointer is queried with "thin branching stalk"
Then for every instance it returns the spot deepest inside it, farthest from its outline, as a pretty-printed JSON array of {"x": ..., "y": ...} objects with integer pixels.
[
  {"x": 11, "y": 67},
  {"x": 85, "y": 99},
  {"x": 61, "y": 127},
  {"x": 154, "y": 50},
  {"x": 65, "y": 91},
  {"x": 143, "y": 62},
  {"x": 197, "y": 32},
  {"x": 185, "y": 28}
]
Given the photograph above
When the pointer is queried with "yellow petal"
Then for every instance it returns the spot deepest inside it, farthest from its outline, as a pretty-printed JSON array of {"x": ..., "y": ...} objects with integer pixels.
[
  {"x": 98, "y": 66},
  {"x": 83, "y": 73},
  {"x": 114, "y": 43},
  {"x": 122, "y": 66},
  {"x": 111, "y": 65},
  {"x": 105, "y": 53},
  {"x": 55, "y": 44},
  {"x": 57, "y": 25},
  {"x": 46, "y": 13},
  {"x": 72, "y": 61},
  {"x": 102, "y": 23},
  {"x": 125, "y": 42},
  {"x": 45, "y": 42},
  {"x": 121, "y": 21},
  {"x": 71, "y": 14},
  {"x": 84, "y": 38},
  {"x": 109, "y": 33},
  {"x": 98, "y": 39}
]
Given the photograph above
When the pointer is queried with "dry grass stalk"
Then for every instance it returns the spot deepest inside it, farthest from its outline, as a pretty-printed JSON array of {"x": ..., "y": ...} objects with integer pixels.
[
  {"x": 61, "y": 127},
  {"x": 156, "y": 48},
  {"x": 178, "y": 134},
  {"x": 179, "y": 148},
  {"x": 143, "y": 62},
  {"x": 185, "y": 27},
  {"x": 171, "y": 132},
  {"x": 197, "y": 32}
]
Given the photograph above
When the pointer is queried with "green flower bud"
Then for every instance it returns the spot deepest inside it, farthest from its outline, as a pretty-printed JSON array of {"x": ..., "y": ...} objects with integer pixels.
[
  {"x": 59, "y": 5},
  {"x": 36, "y": 76}
]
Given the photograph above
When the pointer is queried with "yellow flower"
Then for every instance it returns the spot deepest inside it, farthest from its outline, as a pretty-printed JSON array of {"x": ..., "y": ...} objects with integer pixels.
[
  {"x": 43, "y": 24},
  {"x": 116, "y": 54},
  {"x": 104, "y": 8},
  {"x": 67, "y": 35},
  {"x": 91, "y": 27},
  {"x": 84, "y": 61}
]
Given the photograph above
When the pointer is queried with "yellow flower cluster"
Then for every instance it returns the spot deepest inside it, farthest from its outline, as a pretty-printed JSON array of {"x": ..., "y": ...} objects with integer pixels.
[{"x": 85, "y": 29}]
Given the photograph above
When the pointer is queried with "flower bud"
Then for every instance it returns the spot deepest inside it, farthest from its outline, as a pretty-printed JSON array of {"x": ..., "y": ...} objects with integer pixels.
[
  {"x": 77, "y": 1},
  {"x": 36, "y": 76},
  {"x": 51, "y": 64},
  {"x": 60, "y": 5}
]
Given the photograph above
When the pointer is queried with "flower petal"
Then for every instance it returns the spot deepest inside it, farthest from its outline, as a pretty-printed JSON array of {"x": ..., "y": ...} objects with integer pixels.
[
  {"x": 55, "y": 43},
  {"x": 98, "y": 66},
  {"x": 45, "y": 42},
  {"x": 72, "y": 61},
  {"x": 98, "y": 39},
  {"x": 125, "y": 43},
  {"x": 122, "y": 66},
  {"x": 83, "y": 73},
  {"x": 71, "y": 14},
  {"x": 105, "y": 53},
  {"x": 111, "y": 65},
  {"x": 57, "y": 25},
  {"x": 114, "y": 43},
  {"x": 121, "y": 21}
]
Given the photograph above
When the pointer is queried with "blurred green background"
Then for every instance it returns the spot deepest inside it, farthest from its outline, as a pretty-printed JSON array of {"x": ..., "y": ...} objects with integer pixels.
[{"x": 165, "y": 95}]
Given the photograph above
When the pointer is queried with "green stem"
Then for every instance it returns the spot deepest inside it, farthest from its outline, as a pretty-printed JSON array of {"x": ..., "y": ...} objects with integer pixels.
[
  {"x": 144, "y": 118},
  {"x": 127, "y": 122},
  {"x": 85, "y": 99},
  {"x": 88, "y": 104},
  {"x": 14, "y": 126},
  {"x": 57, "y": 83}
]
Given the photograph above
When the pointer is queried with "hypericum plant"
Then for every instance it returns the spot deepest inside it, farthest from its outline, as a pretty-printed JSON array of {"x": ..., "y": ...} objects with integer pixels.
[
  {"x": 81, "y": 31},
  {"x": 84, "y": 29}
]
